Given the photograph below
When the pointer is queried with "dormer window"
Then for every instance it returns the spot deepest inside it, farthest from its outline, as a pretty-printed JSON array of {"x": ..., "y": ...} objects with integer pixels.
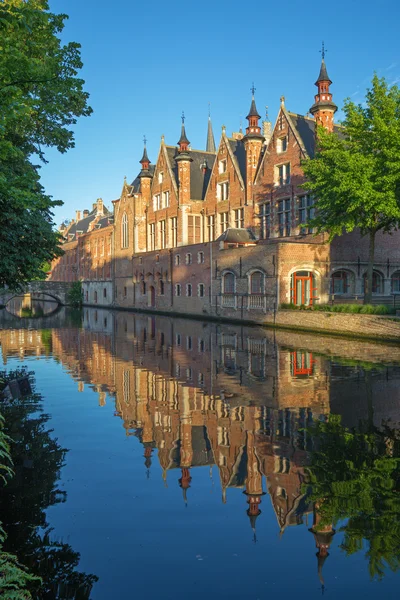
[{"x": 281, "y": 145}]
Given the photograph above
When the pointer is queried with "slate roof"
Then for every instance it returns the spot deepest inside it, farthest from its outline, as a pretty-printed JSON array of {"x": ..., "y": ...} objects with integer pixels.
[
  {"x": 198, "y": 179},
  {"x": 239, "y": 152},
  {"x": 253, "y": 110},
  {"x": 305, "y": 127},
  {"x": 237, "y": 236},
  {"x": 83, "y": 225},
  {"x": 135, "y": 185},
  {"x": 323, "y": 74}
]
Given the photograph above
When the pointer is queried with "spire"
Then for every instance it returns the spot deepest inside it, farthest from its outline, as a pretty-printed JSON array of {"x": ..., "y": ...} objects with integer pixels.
[
  {"x": 210, "y": 135},
  {"x": 145, "y": 161},
  {"x": 183, "y": 140},
  {"x": 323, "y": 73},
  {"x": 253, "y": 129}
]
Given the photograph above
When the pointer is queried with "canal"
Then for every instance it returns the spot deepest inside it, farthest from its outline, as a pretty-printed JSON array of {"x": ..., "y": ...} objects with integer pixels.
[{"x": 165, "y": 458}]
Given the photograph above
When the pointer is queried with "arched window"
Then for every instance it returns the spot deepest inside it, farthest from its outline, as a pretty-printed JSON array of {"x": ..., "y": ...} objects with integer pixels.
[
  {"x": 143, "y": 286},
  {"x": 228, "y": 283},
  {"x": 124, "y": 232},
  {"x": 341, "y": 282},
  {"x": 161, "y": 287},
  {"x": 377, "y": 283},
  {"x": 396, "y": 282},
  {"x": 257, "y": 283},
  {"x": 302, "y": 288}
]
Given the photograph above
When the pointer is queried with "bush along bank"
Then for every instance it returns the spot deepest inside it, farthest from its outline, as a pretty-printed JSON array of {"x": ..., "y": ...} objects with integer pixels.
[{"x": 355, "y": 309}]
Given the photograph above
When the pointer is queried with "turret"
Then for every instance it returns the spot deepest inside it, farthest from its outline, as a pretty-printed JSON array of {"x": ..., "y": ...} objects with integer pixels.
[
  {"x": 323, "y": 108},
  {"x": 183, "y": 160},
  {"x": 253, "y": 142}
]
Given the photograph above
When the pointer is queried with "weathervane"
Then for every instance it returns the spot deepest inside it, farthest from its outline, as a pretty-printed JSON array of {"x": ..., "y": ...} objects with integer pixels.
[
  {"x": 183, "y": 118},
  {"x": 323, "y": 51},
  {"x": 144, "y": 140},
  {"x": 252, "y": 89}
]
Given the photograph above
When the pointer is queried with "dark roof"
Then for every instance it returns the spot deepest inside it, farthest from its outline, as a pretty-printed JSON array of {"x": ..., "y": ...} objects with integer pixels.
[
  {"x": 198, "y": 179},
  {"x": 135, "y": 185},
  {"x": 145, "y": 157},
  {"x": 210, "y": 147},
  {"x": 237, "y": 236},
  {"x": 253, "y": 110},
  {"x": 305, "y": 127},
  {"x": 83, "y": 225},
  {"x": 323, "y": 73},
  {"x": 183, "y": 139},
  {"x": 239, "y": 152}
]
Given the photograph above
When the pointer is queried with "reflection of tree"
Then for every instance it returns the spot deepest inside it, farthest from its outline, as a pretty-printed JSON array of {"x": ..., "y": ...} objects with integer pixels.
[
  {"x": 357, "y": 476},
  {"x": 37, "y": 459}
]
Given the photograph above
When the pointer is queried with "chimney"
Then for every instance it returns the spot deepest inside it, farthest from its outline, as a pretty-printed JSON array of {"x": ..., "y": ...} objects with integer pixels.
[
  {"x": 99, "y": 206},
  {"x": 237, "y": 135},
  {"x": 85, "y": 213},
  {"x": 78, "y": 215},
  {"x": 94, "y": 206}
]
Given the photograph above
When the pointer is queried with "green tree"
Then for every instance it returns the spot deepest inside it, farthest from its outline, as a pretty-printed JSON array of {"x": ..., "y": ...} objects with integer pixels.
[
  {"x": 355, "y": 174},
  {"x": 40, "y": 100}
]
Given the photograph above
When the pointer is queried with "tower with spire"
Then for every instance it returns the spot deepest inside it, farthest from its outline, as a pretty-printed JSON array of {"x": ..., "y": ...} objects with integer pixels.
[
  {"x": 183, "y": 160},
  {"x": 253, "y": 491},
  {"x": 323, "y": 535},
  {"x": 253, "y": 143},
  {"x": 323, "y": 108}
]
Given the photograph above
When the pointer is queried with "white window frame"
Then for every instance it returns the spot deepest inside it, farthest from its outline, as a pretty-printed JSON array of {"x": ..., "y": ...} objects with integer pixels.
[
  {"x": 188, "y": 258},
  {"x": 178, "y": 290},
  {"x": 201, "y": 287},
  {"x": 189, "y": 287},
  {"x": 200, "y": 258}
]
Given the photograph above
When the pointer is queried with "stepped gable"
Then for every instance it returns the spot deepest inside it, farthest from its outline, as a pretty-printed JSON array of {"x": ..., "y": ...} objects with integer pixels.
[{"x": 198, "y": 178}]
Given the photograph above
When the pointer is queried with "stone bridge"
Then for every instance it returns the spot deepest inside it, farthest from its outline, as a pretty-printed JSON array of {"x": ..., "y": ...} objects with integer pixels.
[{"x": 56, "y": 290}]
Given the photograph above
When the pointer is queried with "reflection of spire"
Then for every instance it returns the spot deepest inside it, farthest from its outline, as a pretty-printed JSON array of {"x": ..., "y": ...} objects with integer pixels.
[
  {"x": 164, "y": 476},
  {"x": 323, "y": 538},
  {"x": 147, "y": 462},
  {"x": 184, "y": 482}
]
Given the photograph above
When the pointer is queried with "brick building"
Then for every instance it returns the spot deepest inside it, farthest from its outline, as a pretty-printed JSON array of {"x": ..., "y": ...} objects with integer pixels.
[{"x": 223, "y": 232}]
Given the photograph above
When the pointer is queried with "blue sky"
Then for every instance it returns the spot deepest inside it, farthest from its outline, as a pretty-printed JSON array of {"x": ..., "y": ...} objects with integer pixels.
[{"x": 145, "y": 62}]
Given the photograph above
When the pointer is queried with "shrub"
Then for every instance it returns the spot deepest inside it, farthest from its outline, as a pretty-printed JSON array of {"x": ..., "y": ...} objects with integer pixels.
[{"x": 75, "y": 294}]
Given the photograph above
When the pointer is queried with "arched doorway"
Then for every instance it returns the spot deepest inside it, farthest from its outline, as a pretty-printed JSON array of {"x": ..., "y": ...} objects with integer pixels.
[
  {"x": 152, "y": 296},
  {"x": 302, "y": 288}
]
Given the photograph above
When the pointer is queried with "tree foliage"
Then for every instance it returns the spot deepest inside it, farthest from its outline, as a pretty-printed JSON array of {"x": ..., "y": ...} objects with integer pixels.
[
  {"x": 355, "y": 175},
  {"x": 40, "y": 100}
]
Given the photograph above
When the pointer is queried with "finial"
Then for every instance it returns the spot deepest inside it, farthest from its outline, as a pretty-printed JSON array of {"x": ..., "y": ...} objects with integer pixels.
[
  {"x": 241, "y": 125},
  {"x": 183, "y": 118},
  {"x": 266, "y": 113},
  {"x": 323, "y": 51},
  {"x": 124, "y": 178},
  {"x": 209, "y": 111},
  {"x": 162, "y": 138},
  {"x": 223, "y": 128},
  {"x": 252, "y": 89},
  {"x": 144, "y": 140},
  {"x": 282, "y": 98}
]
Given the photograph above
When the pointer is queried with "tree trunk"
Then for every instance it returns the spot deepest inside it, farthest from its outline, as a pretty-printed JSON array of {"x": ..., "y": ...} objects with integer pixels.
[{"x": 370, "y": 269}]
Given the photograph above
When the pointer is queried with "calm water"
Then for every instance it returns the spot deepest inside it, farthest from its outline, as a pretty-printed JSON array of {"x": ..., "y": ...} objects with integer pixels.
[{"x": 198, "y": 460}]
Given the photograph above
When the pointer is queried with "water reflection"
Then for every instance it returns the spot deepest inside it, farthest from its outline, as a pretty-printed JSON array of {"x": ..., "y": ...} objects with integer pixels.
[
  {"x": 28, "y": 306},
  {"x": 308, "y": 424}
]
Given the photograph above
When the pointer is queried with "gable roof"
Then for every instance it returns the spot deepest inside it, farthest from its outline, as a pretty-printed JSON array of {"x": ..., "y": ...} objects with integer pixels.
[
  {"x": 238, "y": 155},
  {"x": 198, "y": 179},
  {"x": 83, "y": 225}
]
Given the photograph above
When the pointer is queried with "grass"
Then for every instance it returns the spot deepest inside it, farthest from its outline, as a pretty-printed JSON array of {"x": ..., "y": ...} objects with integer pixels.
[{"x": 362, "y": 309}]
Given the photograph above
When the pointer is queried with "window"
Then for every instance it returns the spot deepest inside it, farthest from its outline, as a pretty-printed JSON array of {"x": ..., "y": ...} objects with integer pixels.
[
  {"x": 201, "y": 345},
  {"x": 396, "y": 282},
  {"x": 194, "y": 229},
  {"x": 143, "y": 288},
  {"x": 152, "y": 235},
  {"x": 228, "y": 283},
  {"x": 125, "y": 292},
  {"x": 126, "y": 387},
  {"x": 188, "y": 259},
  {"x": 200, "y": 258},
  {"x": 188, "y": 289},
  {"x": 282, "y": 174},
  {"x": 161, "y": 288},
  {"x": 160, "y": 177},
  {"x": 101, "y": 247},
  {"x": 162, "y": 234},
  {"x": 284, "y": 217},
  {"x": 223, "y": 220},
  {"x": 223, "y": 191},
  {"x": 257, "y": 282},
  {"x": 211, "y": 228},
  {"x": 124, "y": 234},
  {"x": 178, "y": 339},
  {"x": 265, "y": 220},
  {"x": 166, "y": 199},
  {"x": 174, "y": 232},
  {"x": 200, "y": 290},
  {"x": 189, "y": 342},
  {"x": 95, "y": 297},
  {"x": 239, "y": 218},
  {"x": 306, "y": 212},
  {"x": 157, "y": 258},
  {"x": 339, "y": 284},
  {"x": 104, "y": 292},
  {"x": 377, "y": 283},
  {"x": 177, "y": 259},
  {"x": 189, "y": 374},
  {"x": 222, "y": 166},
  {"x": 178, "y": 289},
  {"x": 281, "y": 145},
  {"x": 157, "y": 202}
]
